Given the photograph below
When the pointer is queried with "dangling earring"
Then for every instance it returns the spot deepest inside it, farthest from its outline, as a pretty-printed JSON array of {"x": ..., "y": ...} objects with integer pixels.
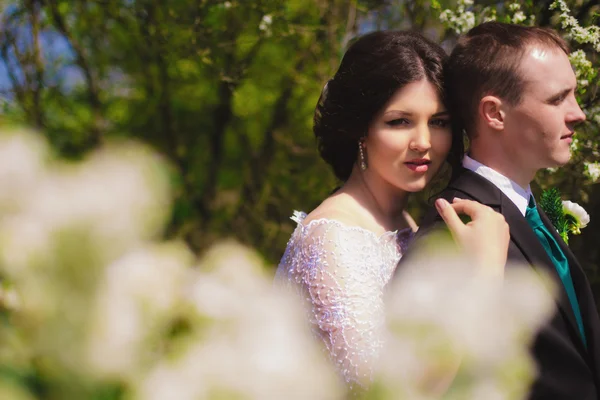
[{"x": 363, "y": 161}]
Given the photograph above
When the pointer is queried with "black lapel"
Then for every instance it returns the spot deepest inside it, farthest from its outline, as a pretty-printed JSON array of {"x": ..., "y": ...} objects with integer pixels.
[
  {"x": 521, "y": 233},
  {"x": 583, "y": 292},
  {"x": 477, "y": 187}
]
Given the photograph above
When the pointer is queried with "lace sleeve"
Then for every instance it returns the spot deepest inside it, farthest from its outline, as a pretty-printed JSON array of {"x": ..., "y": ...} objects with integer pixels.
[{"x": 342, "y": 271}]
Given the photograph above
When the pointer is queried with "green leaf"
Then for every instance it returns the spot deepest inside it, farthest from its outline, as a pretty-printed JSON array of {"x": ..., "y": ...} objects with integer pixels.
[{"x": 551, "y": 203}]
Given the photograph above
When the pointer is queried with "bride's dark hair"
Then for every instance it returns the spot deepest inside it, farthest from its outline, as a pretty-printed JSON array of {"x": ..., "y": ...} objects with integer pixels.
[{"x": 375, "y": 66}]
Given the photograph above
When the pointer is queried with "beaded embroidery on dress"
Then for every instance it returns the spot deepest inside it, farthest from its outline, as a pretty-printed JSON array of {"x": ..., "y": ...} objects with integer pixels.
[{"x": 341, "y": 271}]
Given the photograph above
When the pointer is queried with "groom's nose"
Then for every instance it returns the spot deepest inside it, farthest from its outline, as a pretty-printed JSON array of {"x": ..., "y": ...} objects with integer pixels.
[{"x": 574, "y": 114}]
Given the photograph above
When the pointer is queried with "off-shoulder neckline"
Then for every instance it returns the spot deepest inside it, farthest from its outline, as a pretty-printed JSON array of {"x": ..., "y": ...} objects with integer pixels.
[{"x": 299, "y": 216}]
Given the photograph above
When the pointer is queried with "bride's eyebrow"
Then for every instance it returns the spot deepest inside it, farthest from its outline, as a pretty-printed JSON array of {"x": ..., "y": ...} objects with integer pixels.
[
  {"x": 398, "y": 112},
  {"x": 410, "y": 114}
]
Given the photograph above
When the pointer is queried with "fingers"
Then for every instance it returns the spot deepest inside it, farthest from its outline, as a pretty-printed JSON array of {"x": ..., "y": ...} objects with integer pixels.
[
  {"x": 469, "y": 207},
  {"x": 486, "y": 236},
  {"x": 479, "y": 212},
  {"x": 449, "y": 215}
]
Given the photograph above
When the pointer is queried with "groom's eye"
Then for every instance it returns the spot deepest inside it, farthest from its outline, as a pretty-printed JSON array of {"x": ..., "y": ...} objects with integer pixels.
[{"x": 556, "y": 100}]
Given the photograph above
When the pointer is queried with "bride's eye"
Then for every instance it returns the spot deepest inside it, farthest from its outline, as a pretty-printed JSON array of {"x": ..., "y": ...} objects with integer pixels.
[
  {"x": 398, "y": 121},
  {"x": 440, "y": 122}
]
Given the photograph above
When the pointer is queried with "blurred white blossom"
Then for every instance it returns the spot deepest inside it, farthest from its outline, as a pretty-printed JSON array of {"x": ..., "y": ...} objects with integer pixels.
[
  {"x": 117, "y": 195},
  {"x": 9, "y": 298},
  {"x": 265, "y": 24},
  {"x": 257, "y": 344},
  {"x": 135, "y": 297},
  {"x": 514, "y": 7},
  {"x": 593, "y": 170},
  {"x": 22, "y": 162},
  {"x": 117, "y": 191},
  {"x": 442, "y": 318},
  {"x": 518, "y": 17},
  {"x": 100, "y": 295}
]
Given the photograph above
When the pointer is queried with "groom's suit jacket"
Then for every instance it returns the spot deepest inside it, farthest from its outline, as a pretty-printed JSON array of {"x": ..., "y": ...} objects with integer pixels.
[{"x": 566, "y": 369}]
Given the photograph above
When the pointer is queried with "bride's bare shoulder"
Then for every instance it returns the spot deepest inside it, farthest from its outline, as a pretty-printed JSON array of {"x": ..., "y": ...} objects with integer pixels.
[{"x": 345, "y": 209}]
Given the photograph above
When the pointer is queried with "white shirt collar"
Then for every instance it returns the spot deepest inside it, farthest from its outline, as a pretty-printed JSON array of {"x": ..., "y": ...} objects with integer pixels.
[{"x": 518, "y": 195}]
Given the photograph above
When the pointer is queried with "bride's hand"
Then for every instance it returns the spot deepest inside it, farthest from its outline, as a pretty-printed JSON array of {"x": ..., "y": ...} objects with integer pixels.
[{"x": 485, "y": 237}]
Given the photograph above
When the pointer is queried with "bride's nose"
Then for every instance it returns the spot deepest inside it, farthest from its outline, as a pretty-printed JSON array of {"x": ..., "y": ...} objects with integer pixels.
[{"x": 421, "y": 139}]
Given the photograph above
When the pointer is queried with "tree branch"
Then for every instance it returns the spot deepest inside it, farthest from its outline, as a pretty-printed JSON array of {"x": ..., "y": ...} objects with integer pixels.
[
  {"x": 82, "y": 62},
  {"x": 16, "y": 88},
  {"x": 36, "y": 89},
  {"x": 261, "y": 162},
  {"x": 164, "y": 102},
  {"x": 350, "y": 30},
  {"x": 222, "y": 117}
]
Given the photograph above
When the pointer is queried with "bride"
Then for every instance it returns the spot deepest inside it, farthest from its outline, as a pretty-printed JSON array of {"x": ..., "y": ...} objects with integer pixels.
[{"x": 382, "y": 126}]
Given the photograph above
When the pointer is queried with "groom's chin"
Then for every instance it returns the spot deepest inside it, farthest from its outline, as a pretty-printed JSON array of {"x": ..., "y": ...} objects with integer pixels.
[
  {"x": 559, "y": 160},
  {"x": 562, "y": 161}
]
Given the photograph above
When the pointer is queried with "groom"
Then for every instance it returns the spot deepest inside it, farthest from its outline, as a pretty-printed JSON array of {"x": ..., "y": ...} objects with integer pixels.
[{"x": 512, "y": 90}]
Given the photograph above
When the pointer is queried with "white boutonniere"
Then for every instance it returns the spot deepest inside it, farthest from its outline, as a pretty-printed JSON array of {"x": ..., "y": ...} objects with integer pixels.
[
  {"x": 566, "y": 216},
  {"x": 576, "y": 216}
]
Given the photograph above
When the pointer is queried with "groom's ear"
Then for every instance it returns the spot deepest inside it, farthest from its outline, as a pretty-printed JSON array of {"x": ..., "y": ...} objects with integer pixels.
[{"x": 491, "y": 113}]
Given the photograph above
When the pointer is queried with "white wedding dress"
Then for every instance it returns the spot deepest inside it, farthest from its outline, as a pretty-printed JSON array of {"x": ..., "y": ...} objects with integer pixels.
[{"x": 341, "y": 271}]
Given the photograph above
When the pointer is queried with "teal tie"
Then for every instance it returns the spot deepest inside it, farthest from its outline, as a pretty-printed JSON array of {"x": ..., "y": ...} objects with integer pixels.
[{"x": 558, "y": 259}]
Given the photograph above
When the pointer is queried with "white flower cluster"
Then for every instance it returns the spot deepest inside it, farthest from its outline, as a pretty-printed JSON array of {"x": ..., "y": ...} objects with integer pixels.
[
  {"x": 460, "y": 20},
  {"x": 584, "y": 69},
  {"x": 593, "y": 114},
  {"x": 575, "y": 145},
  {"x": 592, "y": 170},
  {"x": 265, "y": 24},
  {"x": 590, "y": 34},
  {"x": 518, "y": 15},
  {"x": 514, "y": 7},
  {"x": 464, "y": 18}
]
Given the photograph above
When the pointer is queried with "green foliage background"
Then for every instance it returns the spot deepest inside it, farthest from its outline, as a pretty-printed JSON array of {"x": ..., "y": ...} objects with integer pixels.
[{"x": 226, "y": 94}]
